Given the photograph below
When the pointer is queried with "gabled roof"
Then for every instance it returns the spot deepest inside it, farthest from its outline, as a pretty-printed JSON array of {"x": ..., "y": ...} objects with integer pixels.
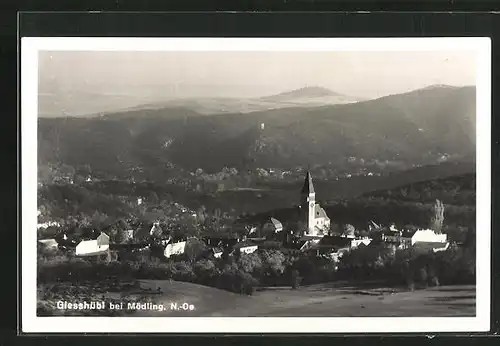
[
  {"x": 90, "y": 248},
  {"x": 308, "y": 184},
  {"x": 408, "y": 234},
  {"x": 320, "y": 212},
  {"x": 334, "y": 242},
  {"x": 244, "y": 243},
  {"x": 276, "y": 223},
  {"x": 48, "y": 242}
]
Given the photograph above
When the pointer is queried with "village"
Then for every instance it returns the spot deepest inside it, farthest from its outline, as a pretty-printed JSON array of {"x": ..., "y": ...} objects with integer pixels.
[{"x": 313, "y": 236}]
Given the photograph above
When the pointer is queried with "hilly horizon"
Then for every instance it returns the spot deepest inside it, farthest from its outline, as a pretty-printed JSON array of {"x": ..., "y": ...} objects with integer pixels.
[
  {"x": 416, "y": 127},
  {"x": 91, "y": 104}
]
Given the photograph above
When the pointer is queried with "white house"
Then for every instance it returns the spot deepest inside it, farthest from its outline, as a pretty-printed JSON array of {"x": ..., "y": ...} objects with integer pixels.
[
  {"x": 174, "y": 249},
  {"x": 217, "y": 252},
  {"x": 278, "y": 227},
  {"x": 428, "y": 235},
  {"x": 246, "y": 246},
  {"x": 357, "y": 242},
  {"x": 248, "y": 249},
  {"x": 49, "y": 243},
  {"x": 48, "y": 224},
  {"x": 95, "y": 247}
]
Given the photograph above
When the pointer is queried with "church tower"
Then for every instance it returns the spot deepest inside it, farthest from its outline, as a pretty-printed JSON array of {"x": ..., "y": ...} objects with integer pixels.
[{"x": 308, "y": 202}]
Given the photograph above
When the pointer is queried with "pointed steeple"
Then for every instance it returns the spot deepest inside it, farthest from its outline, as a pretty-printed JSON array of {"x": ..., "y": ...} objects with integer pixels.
[{"x": 308, "y": 185}]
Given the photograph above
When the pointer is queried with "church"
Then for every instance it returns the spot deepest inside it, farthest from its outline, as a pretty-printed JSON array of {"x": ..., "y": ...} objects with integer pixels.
[{"x": 318, "y": 223}]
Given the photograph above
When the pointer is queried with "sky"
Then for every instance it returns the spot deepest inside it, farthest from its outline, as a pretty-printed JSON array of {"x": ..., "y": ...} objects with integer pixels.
[{"x": 251, "y": 74}]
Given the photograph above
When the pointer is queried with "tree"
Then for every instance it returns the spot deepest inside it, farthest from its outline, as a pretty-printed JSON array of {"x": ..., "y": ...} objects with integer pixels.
[
  {"x": 438, "y": 217},
  {"x": 194, "y": 249},
  {"x": 334, "y": 228},
  {"x": 423, "y": 276},
  {"x": 295, "y": 279},
  {"x": 273, "y": 262},
  {"x": 349, "y": 230},
  {"x": 250, "y": 263}
]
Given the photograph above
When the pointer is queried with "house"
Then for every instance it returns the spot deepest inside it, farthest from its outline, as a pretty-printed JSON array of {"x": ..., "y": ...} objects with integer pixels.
[
  {"x": 328, "y": 245},
  {"x": 128, "y": 235},
  {"x": 318, "y": 223},
  {"x": 222, "y": 240},
  {"x": 217, "y": 252},
  {"x": 48, "y": 224},
  {"x": 49, "y": 243},
  {"x": 271, "y": 227},
  {"x": 406, "y": 239},
  {"x": 431, "y": 246},
  {"x": 155, "y": 230},
  {"x": 355, "y": 243},
  {"x": 95, "y": 247},
  {"x": 278, "y": 227},
  {"x": 246, "y": 246},
  {"x": 142, "y": 233},
  {"x": 428, "y": 235},
  {"x": 175, "y": 249}
]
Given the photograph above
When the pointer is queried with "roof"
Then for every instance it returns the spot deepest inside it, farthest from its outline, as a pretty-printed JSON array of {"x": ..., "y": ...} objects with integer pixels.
[
  {"x": 334, "y": 242},
  {"x": 48, "y": 242},
  {"x": 429, "y": 246},
  {"x": 217, "y": 235},
  {"x": 90, "y": 248},
  {"x": 217, "y": 250},
  {"x": 102, "y": 239},
  {"x": 270, "y": 244},
  {"x": 320, "y": 212},
  {"x": 308, "y": 184},
  {"x": 408, "y": 234},
  {"x": 276, "y": 223},
  {"x": 244, "y": 243}
]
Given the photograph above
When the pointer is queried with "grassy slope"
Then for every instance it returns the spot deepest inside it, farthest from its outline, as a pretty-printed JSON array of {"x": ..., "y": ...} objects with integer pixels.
[{"x": 318, "y": 300}]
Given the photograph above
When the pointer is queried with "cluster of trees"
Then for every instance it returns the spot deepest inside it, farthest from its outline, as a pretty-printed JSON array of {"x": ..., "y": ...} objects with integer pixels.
[
  {"x": 410, "y": 267},
  {"x": 456, "y": 190},
  {"x": 241, "y": 274},
  {"x": 359, "y": 212}
]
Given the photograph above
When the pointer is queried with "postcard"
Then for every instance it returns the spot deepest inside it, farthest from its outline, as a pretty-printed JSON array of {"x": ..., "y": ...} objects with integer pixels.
[{"x": 244, "y": 185}]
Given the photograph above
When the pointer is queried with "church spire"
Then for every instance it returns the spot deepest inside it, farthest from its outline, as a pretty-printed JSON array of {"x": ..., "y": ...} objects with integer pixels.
[{"x": 308, "y": 184}]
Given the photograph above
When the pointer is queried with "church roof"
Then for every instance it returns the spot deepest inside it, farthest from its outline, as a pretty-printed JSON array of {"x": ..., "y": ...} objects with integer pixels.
[
  {"x": 320, "y": 212},
  {"x": 308, "y": 184}
]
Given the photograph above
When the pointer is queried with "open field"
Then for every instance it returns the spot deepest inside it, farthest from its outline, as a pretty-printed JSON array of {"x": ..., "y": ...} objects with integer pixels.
[{"x": 314, "y": 301}]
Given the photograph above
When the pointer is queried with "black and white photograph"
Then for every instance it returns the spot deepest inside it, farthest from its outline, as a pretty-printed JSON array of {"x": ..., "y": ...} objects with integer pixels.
[{"x": 255, "y": 185}]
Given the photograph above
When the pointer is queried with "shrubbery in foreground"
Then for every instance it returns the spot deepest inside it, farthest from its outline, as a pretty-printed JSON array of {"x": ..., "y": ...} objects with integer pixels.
[{"x": 241, "y": 274}]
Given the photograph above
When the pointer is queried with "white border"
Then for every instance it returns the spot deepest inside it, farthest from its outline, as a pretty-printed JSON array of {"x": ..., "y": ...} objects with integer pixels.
[{"x": 29, "y": 84}]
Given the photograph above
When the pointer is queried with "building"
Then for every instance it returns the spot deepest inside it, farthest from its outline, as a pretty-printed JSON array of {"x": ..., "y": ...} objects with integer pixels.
[
  {"x": 174, "y": 249},
  {"x": 246, "y": 246},
  {"x": 333, "y": 246},
  {"x": 406, "y": 239},
  {"x": 278, "y": 227},
  {"x": 318, "y": 223},
  {"x": 49, "y": 243},
  {"x": 355, "y": 243},
  {"x": 95, "y": 247},
  {"x": 428, "y": 235},
  {"x": 155, "y": 230}
]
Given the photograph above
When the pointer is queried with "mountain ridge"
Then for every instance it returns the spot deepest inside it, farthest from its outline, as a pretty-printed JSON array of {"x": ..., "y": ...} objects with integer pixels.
[{"x": 410, "y": 127}]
